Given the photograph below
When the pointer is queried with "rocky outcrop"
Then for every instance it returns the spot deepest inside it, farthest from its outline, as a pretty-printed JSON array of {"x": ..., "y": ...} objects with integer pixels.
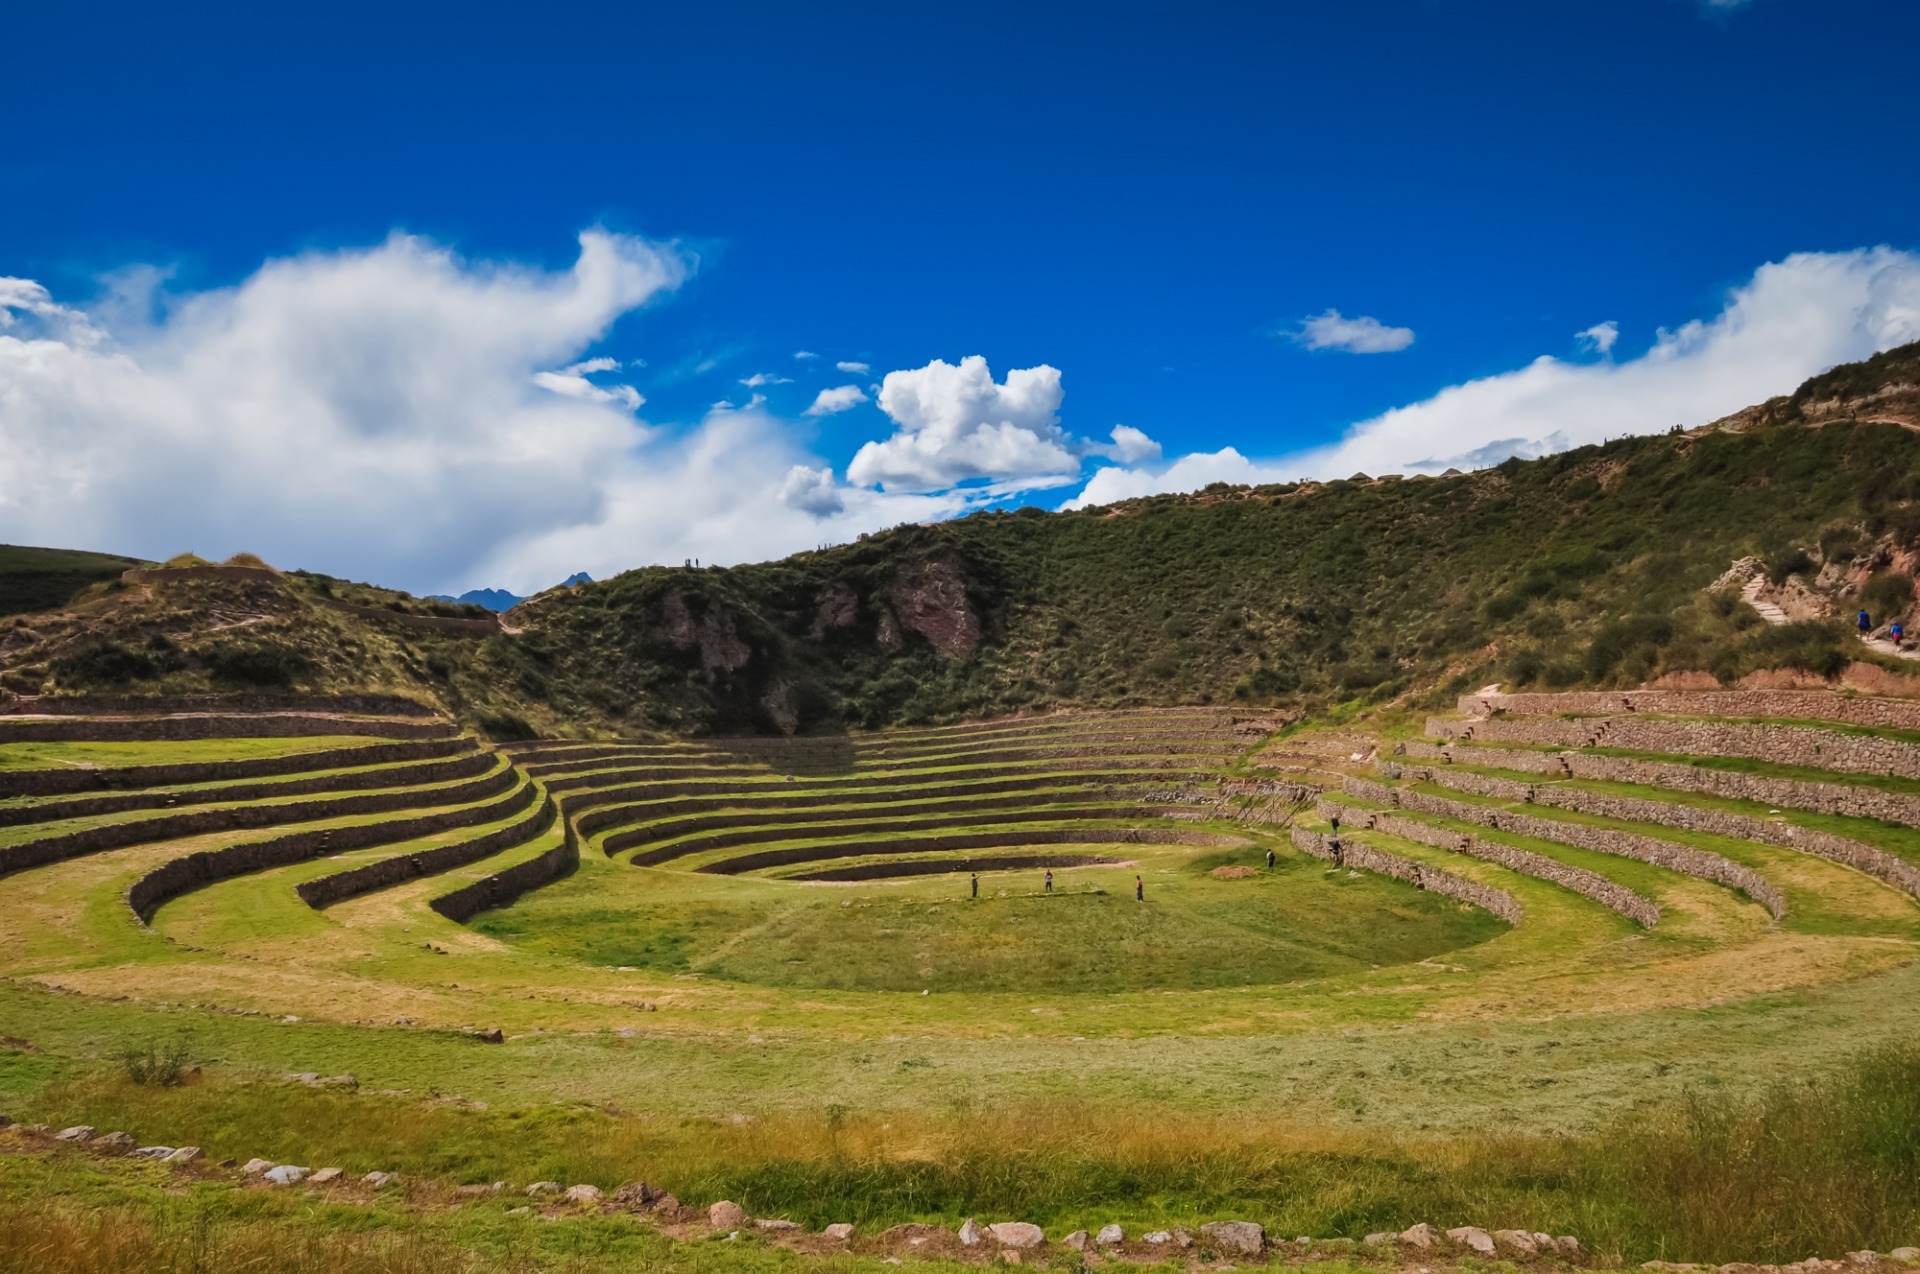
[
  {"x": 930, "y": 598},
  {"x": 713, "y": 634}
]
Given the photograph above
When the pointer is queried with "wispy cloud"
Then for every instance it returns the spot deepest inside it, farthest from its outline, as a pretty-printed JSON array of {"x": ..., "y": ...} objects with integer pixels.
[
  {"x": 829, "y": 402},
  {"x": 1600, "y": 337},
  {"x": 759, "y": 379},
  {"x": 1363, "y": 335},
  {"x": 804, "y": 354},
  {"x": 856, "y": 369}
]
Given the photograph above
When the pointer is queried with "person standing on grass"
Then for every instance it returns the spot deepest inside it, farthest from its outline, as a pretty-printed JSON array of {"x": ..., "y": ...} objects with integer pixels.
[
  {"x": 1139, "y": 890},
  {"x": 1049, "y": 880},
  {"x": 1269, "y": 858},
  {"x": 976, "y": 884}
]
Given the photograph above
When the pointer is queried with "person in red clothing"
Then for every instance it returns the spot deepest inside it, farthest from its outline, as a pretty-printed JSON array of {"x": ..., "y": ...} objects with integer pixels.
[{"x": 1139, "y": 890}]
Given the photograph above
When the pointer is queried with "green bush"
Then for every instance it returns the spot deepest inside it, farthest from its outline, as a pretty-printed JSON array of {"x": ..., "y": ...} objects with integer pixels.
[{"x": 254, "y": 664}]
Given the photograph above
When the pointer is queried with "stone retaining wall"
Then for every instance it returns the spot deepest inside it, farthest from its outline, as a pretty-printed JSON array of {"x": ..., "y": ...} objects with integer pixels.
[
  {"x": 616, "y": 785},
  {"x": 771, "y": 828},
  {"x": 63, "y": 781},
  {"x": 411, "y": 774},
  {"x": 723, "y": 763},
  {"x": 940, "y": 866},
  {"x": 53, "y": 849},
  {"x": 371, "y": 705},
  {"x": 327, "y": 890},
  {"x": 1817, "y": 705},
  {"x": 793, "y": 816},
  {"x": 1641, "y": 910},
  {"x": 1648, "y": 849},
  {"x": 1367, "y": 858},
  {"x": 965, "y": 840},
  {"x": 204, "y": 867},
  {"x": 1847, "y": 799},
  {"x": 1870, "y": 859},
  {"x": 213, "y": 726},
  {"x": 504, "y": 887},
  {"x": 997, "y": 793},
  {"x": 1806, "y": 746}
]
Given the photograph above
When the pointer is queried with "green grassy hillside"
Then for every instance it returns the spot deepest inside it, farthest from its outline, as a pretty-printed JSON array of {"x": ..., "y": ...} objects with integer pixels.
[{"x": 34, "y": 579}]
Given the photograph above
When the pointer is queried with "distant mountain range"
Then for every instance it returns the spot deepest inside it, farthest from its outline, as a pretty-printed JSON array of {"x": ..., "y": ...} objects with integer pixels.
[{"x": 500, "y": 598}]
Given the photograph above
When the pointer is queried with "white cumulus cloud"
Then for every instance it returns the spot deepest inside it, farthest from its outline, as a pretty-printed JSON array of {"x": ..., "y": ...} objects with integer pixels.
[
  {"x": 812, "y": 491},
  {"x": 956, "y": 423},
  {"x": 1599, "y": 338},
  {"x": 1793, "y": 319},
  {"x": 830, "y": 401},
  {"x": 1363, "y": 335}
]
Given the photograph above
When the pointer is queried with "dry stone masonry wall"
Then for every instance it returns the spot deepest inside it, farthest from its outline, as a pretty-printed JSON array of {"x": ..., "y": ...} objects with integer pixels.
[
  {"x": 1815, "y": 705},
  {"x": 1781, "y": 744},
  {"x": 1616, "y": 897},
  {"x": 1367, "y": 858},
  {"x": 1840, "y": 849},
  {"x": 327, "y": 890},
  {"x": 504, "y": 887},
  {"x": 1648, "y": 849},
  {"x": 64, "y": 781}
]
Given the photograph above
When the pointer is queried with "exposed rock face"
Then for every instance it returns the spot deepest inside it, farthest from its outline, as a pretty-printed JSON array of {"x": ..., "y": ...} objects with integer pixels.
[
  {"x": 835, "y": 606},
  {"x": 1240, "y": 1238},
  {"x": 713, "y": 634},
  {"x": 114, "y": 1143},
  {"x": 726, "y": 1215},
  {"x": 1019, "y": 1235},
  {"x": 931, "y": 599}
]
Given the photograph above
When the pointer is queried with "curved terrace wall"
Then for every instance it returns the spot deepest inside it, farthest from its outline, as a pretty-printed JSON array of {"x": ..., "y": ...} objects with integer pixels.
[
  {"x": 506, "y": 886},
  {"x": 1816, "y": 705},
  {"x": 965, "y": 840},
  {"x": 213, "y": 726},
  {"x": 1806, "y": 746},
  {"x": 1379, "y": 861},
  {"x": 327, "y": 890},
  {"x": 90, "y": 779}
]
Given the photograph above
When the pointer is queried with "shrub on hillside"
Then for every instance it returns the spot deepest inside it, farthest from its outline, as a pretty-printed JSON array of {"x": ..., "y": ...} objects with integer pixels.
[{"x": 254, "y": 664}]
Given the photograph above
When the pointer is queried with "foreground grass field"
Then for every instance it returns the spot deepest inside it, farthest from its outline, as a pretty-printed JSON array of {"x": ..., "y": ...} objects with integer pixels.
[{"x": 1329, "y": 1048}]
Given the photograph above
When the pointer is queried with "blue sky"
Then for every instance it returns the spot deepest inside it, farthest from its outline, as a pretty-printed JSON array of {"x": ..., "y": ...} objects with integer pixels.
[{"x": 1151, "y": 199}]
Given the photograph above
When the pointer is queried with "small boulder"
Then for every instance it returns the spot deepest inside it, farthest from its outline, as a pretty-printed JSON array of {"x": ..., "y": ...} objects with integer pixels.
[
  {"x": 1236, "y": 1238},
  {"x": 1110, "y": 1235},
  {"x": 522, "y": 1210},
  {"x": 1182, "y": 1237},
  {"x": 635, "y": 1194},
  {"x": 1543, "y": 1241},
  {"x": 286, "y": 1175},
  {"x": 726, "y": 1215},
  {"x": 304, "y": 1077},
  {"x": 77, "y": 1133},
  {"x": 584, "y": 1194},
  {"x": 971, "y": 1234},
  {"x": 1078, "y": 1240},
  {"x": 1568, "y": 1245},
  {"x": 1420, "y": 1235},
  {"x": 325, "y": 1177},
  {"x": 1474, "y": 1237},
  {"x": 1910, "y": 1255},
  {"x": 839, "y": 1232},
  {"x": 185, "y": 1154},
  {"x": 1518, "y": 1240},
  {"x": 378, "y": 1179},
  {"x": 158, "y": 1153},
  {"x": 254, "y": 1167},
  {"x": 1157, "y": 1236},
  {"x": 114, "y": 1143},
  {"x": 1018, "y": 1235},
  {"x": 666, "y": 1204},
  {"x": 544, "y": 1187},
  {"x": 1864, "y": 1257}
]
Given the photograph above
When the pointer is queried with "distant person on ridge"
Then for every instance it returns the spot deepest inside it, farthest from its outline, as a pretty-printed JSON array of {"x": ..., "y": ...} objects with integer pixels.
[{"x": 1049, "y": 880}]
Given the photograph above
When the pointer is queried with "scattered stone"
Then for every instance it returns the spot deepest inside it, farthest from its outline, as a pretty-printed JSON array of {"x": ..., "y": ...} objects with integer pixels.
[
  {"x": 286, "y": 1175},
  {"x": 1381, "y": 1236},
  {"x": 1864, "y": 1258},
  {"x": 1911, "y": 1255},
  {"x": 544, "y": 1187},
  {"x": 256, "y": 1166},
  {"x": 1518, "y": 1240},
  {"x": 1542, "y": 1241},
  {"x": 378, "y": 1179},
  {"x": 1239, "y": 1238},
  {"x": 1301, "y": 1240},
  {"x": 971, "y": 1233},
  {"x": 635, "y": 1194},
  {"x": 1568, "y": 1244},
  {"x": 304, "y": 1077},
  {"x": 726, "y": 1215},
  {"x": 666, "y": 1203},
  {"x": 1019, "y": 1235},
  {"x": 150, "y": 1152},
  {"x": 185, "y": 1154},
  {"x": 1078, "y": 1240},
  {"x": 584, "y": 1194},
  {"x": 1008, "y": 1255},
  {"x": 1157, "y": 1236},
  {"x": 839, "y": 1232},
  {"x": 79, "y": 1132},
  {"x": 1421, "y": 1235},
  {"x": 1474, "y": 1237},
  {"x": 114, "y": 1143},
  {"x": 495, "y": 1036},
  {"x": 1110, "y": 1235},
  {"x": 1182, "y": 1238},
  {"x": 325, "y": 1177}
]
